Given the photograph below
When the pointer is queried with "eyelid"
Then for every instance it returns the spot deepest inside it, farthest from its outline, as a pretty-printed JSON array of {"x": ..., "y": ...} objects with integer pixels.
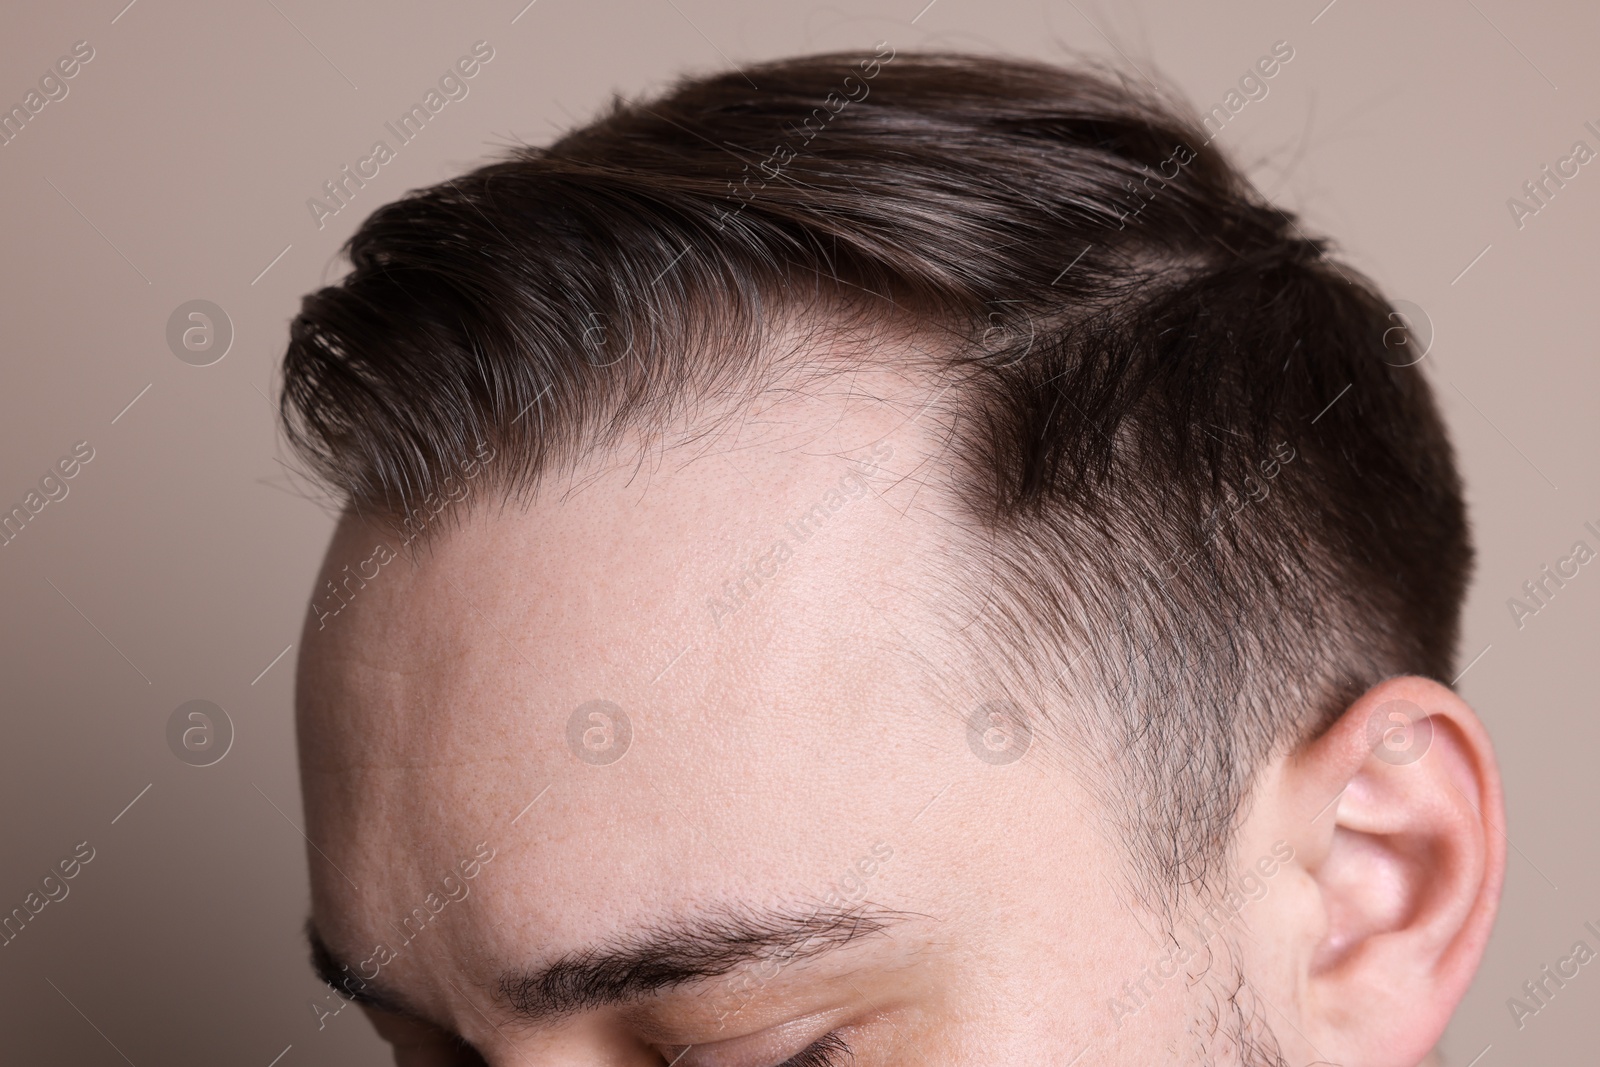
[
  {"x": 763, "y": 1048},
  {"x": 409, "y": 1032}
]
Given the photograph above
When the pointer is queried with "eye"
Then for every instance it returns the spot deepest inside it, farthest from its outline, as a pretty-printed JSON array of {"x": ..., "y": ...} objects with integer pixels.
[
  {"x": 419, "y": 1044},
  {"x": 831, "y": 1051}
]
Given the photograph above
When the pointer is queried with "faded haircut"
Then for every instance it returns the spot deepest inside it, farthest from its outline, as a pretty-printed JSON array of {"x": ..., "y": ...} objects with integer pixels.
[{"x": 1206, "y": 490}]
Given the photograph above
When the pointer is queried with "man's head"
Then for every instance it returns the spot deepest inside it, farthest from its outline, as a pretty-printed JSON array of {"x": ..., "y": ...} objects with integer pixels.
[{"x": 911, "y": 548}]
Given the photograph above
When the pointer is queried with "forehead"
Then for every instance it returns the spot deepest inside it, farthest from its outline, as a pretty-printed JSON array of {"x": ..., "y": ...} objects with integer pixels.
[
  {"x": 698, "y": 679},
  {"x": 636, "y": 687}
]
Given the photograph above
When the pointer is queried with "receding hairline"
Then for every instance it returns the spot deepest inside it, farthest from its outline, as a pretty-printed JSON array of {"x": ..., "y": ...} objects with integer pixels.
[{"x": 997, "y": 186}]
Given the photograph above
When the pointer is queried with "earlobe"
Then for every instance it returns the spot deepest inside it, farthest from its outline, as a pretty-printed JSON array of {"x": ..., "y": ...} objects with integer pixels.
[{"x": 1401, "y": 831}]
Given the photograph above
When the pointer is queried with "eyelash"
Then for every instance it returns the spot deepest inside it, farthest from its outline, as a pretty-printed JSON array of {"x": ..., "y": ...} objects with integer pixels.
[{"x": 822, "y": 1054}]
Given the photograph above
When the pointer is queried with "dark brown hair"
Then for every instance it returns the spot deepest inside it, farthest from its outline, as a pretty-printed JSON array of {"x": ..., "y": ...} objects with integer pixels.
[{"x": 1212, "y": 498}]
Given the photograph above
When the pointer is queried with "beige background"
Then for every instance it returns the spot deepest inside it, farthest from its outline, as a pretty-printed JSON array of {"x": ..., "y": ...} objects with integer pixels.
[{"x": 178, "y": 168}]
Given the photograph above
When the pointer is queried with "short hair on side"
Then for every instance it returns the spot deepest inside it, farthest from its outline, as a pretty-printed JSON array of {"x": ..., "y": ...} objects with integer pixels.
[{"x": 1205, "y": 495}]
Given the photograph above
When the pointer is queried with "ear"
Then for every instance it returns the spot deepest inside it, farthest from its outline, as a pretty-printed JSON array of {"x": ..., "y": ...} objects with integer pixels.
[{"x": 1396, "y": 816}]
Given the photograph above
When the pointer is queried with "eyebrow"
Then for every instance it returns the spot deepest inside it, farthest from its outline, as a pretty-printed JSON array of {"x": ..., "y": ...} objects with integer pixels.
[
  {"x": 667, "y": 956},
  {"x": 658, "y": 958},
  {"x": 340, "y": 976}
]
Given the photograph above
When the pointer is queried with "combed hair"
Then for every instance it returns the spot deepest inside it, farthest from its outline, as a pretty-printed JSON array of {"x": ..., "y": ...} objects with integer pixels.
[{"x": 1206, "y": 489}]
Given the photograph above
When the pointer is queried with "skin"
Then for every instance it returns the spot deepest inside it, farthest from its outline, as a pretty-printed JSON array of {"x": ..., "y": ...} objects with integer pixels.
[{"x": 806, "y": 757}]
